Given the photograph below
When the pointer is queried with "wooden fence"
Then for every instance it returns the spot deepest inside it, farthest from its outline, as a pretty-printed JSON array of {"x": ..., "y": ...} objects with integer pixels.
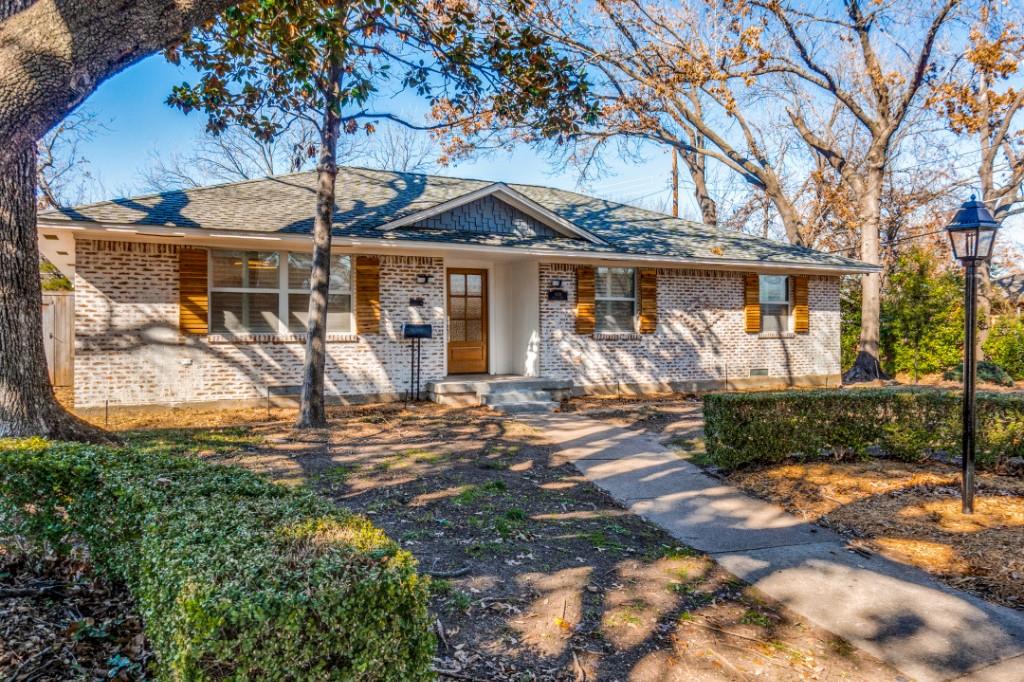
[{"x": 59, "y": 336}]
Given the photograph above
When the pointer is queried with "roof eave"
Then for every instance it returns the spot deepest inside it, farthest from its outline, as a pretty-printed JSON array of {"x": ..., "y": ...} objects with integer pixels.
[{"x": 200, "y": 236}]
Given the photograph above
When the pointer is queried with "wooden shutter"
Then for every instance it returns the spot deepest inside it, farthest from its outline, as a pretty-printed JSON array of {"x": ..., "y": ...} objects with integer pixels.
[
  {"x": 367, "y": 294},
  {"x": 752, "y": 303},
  {"x": 193, "y": 295},
  {"x": 801, "y": 311},
  {"x": 585, "y": 299},
  {"x": 648, "y": 300}
]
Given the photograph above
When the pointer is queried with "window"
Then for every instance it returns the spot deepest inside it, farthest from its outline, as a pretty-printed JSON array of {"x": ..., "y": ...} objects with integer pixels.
[
  {"x": 339, "y": 297},
  {"x": 244, "y": 295},
  {"x": 775, "y": 303},
  {"x": 256, "y": 292},
  {"x": 615, "y": 299}
]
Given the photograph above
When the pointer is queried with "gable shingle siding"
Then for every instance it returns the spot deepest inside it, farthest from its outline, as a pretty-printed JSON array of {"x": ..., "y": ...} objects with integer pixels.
[{"x": 489, "y": 216}]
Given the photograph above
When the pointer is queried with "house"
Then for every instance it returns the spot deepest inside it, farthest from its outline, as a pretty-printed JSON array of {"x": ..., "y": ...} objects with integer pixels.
[{"x": 200, "y": 295}]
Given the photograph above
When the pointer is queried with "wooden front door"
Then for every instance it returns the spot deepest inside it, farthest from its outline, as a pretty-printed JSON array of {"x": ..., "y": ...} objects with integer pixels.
[{"x": 467, "y": 321}]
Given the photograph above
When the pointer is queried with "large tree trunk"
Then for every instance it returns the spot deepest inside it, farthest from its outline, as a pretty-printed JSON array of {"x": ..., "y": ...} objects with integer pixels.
[
  {"x": 27, "y": 404},
  {"x": 53, "y": 54},
  {"x": 867, "y": 366},
  {"x": 312, "y": 412},
  {"x": 696, "y": 164}
]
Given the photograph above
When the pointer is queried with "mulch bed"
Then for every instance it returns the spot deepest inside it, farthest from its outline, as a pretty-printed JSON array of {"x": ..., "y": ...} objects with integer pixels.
[
  {"x": 58, "y": 623},
  {"x": 911, "y": 513}
]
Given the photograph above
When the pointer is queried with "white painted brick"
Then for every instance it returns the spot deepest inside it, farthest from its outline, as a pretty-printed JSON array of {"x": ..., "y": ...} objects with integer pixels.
[{"x": 700, "y": 334}]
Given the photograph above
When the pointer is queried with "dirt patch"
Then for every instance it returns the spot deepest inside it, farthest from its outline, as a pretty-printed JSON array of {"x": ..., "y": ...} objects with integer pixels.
[
  {"x": 538, "y": 575},
  {"x": 57, "y": 623},
  {"x": 911, "y": 513}
]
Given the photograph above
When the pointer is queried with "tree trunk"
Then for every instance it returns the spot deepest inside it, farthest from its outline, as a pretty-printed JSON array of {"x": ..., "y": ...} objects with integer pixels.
[
  {"x": 696, "y": 164},
  {"x": 312, "y": 412},
  {"x": 27, "y": 404},
  {"x": 867, "y": 366},
  {"x": 984, "y": 306}
]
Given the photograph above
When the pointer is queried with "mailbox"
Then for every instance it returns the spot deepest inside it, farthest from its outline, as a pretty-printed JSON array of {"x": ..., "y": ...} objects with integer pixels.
[{"x": 418, "y": 331}]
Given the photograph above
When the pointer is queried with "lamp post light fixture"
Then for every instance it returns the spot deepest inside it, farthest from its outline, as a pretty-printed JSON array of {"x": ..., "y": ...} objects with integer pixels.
[{"x": 971, "y": 234}]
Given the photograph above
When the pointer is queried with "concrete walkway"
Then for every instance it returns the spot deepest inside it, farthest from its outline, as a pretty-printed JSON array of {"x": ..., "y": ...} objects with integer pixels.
[{"x": 898, "y": 613}]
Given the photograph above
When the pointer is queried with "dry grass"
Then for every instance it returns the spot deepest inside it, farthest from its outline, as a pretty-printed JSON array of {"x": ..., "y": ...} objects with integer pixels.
[{"x": 911, "y": 513}]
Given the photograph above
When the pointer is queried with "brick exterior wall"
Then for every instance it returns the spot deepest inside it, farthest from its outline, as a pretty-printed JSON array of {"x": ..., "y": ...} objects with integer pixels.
[
  {"x": 128, "y": 350},
  {"x": 490, "y": 216},
  {"x": 700, "y": 335}
]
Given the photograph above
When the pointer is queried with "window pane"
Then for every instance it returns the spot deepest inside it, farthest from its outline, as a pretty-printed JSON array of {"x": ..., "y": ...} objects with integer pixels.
[
  {"x": 457, "y": 330},
  {"x": 300, "y": 266},
  {"x": 474, "y": 308},
  {"x": 263, "y": 268},
  {"x": 227, "y": 268},
  {"x": 614, "y": 316},
  {"x": 457, "y": 284},
  {"x": 458, "y": 308},
  {"x": 473, "y": 330},
  {"x": 243, "y": 313},
  {"x": 339, "y": 313},
  {"x": 774, "y": 318},
  {"x": 614, "y": 282},
  {"x": 774, "y": 289},
  {"x": 474, "y": 284}
]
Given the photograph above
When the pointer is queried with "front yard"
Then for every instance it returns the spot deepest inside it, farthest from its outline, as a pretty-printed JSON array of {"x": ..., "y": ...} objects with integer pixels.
[
  {"x": 906, "y": 511},
  {"x": 537, "y": 575}
]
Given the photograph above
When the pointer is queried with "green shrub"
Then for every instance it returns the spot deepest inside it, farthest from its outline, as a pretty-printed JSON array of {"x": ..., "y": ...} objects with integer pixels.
[
  {"x": 908, "y": 424},
  {"x": 988, "y": 371},
  {"x": 235, "y": 577},
  {"x": 1005, "y": 345}
]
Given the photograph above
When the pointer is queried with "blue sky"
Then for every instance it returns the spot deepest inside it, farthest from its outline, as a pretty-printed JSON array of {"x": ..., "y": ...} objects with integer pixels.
[{"x": 139, "y": 124}]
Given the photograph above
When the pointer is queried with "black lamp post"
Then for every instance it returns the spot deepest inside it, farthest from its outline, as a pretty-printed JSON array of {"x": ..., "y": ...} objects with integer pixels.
[{"x": 972, "y": 233}]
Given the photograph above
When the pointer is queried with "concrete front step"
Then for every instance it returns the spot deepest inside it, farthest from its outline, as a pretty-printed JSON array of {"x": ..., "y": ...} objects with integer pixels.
[
  {"x": 515, "y": 395},
  {"x": 526, "y": 407},
  {"x": 489, "y": 390}
]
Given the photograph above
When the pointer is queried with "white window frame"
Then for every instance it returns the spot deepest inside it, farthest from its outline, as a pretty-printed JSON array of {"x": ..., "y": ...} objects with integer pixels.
[
  {"x": 632, "y": 299},
  {"x": 788, "y": 303},
  {"x": 283, "y": 290}
]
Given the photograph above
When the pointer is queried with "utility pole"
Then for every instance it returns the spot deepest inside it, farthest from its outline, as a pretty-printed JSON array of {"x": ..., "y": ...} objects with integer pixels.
[{"x": 675, "y": 183}]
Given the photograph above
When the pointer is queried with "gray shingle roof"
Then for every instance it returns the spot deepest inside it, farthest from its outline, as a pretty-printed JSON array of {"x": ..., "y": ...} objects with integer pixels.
[{"x": 367, "y": 199}]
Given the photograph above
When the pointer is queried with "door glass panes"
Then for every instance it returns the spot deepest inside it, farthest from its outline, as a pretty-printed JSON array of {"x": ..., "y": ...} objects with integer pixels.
[{"x": 465, "y": 307}]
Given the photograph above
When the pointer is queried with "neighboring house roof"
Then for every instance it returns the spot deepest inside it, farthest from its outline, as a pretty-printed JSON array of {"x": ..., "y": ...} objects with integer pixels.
[{"x": 388, "y": 205}]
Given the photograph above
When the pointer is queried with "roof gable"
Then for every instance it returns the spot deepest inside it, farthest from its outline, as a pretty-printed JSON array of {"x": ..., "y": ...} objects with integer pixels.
[{"x": 531, "y": 220}]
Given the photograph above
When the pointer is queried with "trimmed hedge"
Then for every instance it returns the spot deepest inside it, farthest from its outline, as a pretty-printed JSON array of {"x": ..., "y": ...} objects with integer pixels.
[
  {"x": 907, "y": 424},
  {"x": 235, "y": 577}
]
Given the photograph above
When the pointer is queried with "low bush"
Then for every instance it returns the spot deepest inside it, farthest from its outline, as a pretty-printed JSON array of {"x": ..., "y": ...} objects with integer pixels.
[
  {"x": 1005, "y": 345},
  {"x": 988, "y": 372},
  {"x": 235, "y": 577},
  {"x": 908, "y": 424}
]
